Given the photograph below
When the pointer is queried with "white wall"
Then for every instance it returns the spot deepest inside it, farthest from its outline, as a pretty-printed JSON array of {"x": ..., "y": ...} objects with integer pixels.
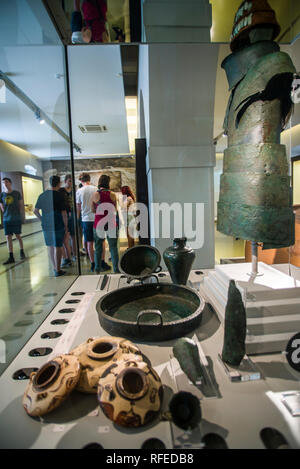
[{"x": 13, "y": 158}]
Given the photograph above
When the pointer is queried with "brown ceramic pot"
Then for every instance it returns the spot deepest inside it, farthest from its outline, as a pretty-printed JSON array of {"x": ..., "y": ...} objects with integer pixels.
[
  {"x": 50, "y": 385},
  {"x": 130, "y": 392},
  {"x": 96, "y": 353}
]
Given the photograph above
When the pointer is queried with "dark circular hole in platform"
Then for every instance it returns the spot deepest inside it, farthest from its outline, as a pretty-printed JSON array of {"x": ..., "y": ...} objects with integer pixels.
[
  {"x": 70, "y": 302},
  {"x": 78, "y": 293},
  {"x": 51, "y": 335},
  {"x": 32, "y": 313},
  {"x": 93, "y": 446},
  {"x": 56, "y": 322},
  {"x": 67, "y": 310},
  {"x": 24, "y": 373},
  {"x": 40, "y": 352},
  {"x": 23, "y": 323},
  {"x": 199, "y": 272},
  {"x": 9, "y": 337},
  {"x": 153, "y": 443}
]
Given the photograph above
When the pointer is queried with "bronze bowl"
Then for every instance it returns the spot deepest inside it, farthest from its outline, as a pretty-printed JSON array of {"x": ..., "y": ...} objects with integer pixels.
[
  {"x": 150, "y": 312},
  {"x": 140, "y": 262}
]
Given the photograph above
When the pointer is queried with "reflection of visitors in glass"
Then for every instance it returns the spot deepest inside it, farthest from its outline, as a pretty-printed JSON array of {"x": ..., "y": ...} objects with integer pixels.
[
  {"x": 105, "y": 196},
  {"x": 94, "y": 13},
  {"x": 84, "y": 198},
  {"x": 80, "y": 33},
  {"x": 127, "y": 201},
  {"x": 54, "y": 222},
  {"x": 69, "y": 241},
  {"x": 12, "y": 206}
]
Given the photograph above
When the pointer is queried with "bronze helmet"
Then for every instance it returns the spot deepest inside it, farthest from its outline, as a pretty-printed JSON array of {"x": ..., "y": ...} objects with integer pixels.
[{"x": 252, "y": 14}]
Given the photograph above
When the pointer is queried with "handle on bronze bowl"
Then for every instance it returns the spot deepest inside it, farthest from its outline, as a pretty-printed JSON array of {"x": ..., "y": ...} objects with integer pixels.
[{"x": 149, "y": 311}]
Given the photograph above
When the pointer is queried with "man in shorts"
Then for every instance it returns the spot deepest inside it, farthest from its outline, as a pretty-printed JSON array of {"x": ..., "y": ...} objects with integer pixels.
[
  {"x": 12, "y": 206},
  {"x": 54, "y": 220}
]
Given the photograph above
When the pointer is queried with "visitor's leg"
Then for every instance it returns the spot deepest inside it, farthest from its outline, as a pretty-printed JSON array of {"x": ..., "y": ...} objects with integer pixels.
[
  {"x": 98, "y": 251},
  {"x": 113, "y": 248}
]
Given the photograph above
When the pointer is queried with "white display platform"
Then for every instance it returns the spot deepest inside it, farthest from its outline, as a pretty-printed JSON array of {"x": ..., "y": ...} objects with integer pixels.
[
  {"x": 238, "y": 414},
  {"x": 272, "y": 303}
]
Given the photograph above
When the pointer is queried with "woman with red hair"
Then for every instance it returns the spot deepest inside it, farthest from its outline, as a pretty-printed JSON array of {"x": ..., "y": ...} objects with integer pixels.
[{"x": 128, "y": 200}]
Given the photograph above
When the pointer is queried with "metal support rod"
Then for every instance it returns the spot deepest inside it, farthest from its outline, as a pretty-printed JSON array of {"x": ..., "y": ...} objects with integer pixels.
[
  {"x": 254, "y": 251},
  {"x": 13, "y": 88},
  {"x": 72, "y": 158}
]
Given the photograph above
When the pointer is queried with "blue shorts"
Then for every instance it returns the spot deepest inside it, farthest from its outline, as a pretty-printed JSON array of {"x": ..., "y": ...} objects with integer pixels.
[
  {"x": 88, "y": 231},
  {"x": 54, "y": 238},
  {"x": 12, "y": 228}
]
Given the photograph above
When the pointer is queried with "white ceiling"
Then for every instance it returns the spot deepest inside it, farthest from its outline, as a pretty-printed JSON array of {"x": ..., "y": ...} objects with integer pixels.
[{"x": 97, "y": 97}]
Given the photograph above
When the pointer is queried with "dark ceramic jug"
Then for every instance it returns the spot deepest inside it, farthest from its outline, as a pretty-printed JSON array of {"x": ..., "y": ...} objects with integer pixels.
[{"x": 179, "y": 259}]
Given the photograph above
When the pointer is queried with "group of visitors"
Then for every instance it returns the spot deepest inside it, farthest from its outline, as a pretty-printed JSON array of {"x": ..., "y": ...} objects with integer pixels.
[{"x": 54, "y": 208}]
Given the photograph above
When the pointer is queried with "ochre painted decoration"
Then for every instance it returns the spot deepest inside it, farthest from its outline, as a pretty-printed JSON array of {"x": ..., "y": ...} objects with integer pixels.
[
  {"x": 255, "y": 199},
  {"x": 130, "y": 392},
  {"x": 50, "y": 385},
  {"x": 95, "y": 354},
  {"x": 235, "y": 327}
]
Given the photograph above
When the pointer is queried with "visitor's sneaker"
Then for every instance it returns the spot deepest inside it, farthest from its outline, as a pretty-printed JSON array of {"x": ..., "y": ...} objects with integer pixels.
[
  {"x": 10, "y": 260},
  {"x": 105, "y": 266},
  {"x": 59, "y": 273},
  {"x": 66, "y": 263},
  {"x": 22, "y": 254}
]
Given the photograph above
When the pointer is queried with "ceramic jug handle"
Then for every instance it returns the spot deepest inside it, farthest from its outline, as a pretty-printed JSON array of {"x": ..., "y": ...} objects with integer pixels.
[{"x": 149, "y": 311}]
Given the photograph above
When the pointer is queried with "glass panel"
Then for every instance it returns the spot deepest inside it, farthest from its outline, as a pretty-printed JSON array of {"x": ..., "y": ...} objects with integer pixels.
[
  {"x": 33, "y": 129},
  {"x": 171, "y": 21},
  {"x": 104, "y": 126}
]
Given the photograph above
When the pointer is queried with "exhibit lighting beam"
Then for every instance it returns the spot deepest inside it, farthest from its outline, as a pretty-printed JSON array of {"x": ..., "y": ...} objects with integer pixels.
[{"x": 13, "y": 88}]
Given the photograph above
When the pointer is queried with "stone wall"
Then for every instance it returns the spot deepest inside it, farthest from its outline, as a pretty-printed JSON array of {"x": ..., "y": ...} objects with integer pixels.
[{"x": 121, "y": 171}]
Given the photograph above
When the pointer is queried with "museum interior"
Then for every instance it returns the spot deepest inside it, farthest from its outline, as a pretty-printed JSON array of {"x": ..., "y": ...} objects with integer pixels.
[{"x": 180, "y": 328}]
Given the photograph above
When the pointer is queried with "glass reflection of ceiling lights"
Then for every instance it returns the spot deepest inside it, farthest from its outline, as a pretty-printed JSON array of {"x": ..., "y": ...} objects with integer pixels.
[{"x": 131, "y": 115}]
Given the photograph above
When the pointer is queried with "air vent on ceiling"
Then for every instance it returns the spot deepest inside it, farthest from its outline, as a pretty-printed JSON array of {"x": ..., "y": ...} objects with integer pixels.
[{"x": 85, "y": 129}]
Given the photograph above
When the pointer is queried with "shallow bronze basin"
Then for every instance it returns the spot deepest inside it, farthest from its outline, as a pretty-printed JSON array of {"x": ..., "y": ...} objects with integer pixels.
[{"x": 150, "y": 312}]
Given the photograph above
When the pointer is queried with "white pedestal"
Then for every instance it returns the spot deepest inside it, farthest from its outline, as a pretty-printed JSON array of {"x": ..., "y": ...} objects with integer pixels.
[{"x": 272, "y": 303}]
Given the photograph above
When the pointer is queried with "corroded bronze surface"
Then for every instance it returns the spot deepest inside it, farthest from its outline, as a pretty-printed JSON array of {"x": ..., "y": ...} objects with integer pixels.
[{"x": 255, "y": 202}]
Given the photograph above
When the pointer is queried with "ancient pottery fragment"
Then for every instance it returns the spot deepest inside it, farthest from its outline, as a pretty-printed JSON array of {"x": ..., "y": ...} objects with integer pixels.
[
  {"x": 130, "y": 392},
  {"x": 96, "y": 353},
  {"x": 51, "y": 384}
]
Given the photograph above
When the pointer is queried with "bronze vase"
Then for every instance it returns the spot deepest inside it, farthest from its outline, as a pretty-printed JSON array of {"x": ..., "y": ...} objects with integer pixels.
[{"x": 179, "y": 259}]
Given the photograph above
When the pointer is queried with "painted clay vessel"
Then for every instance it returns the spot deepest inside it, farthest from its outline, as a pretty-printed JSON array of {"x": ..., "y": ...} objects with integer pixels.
[
  {"x": 96, "y": 353},
  {"x": 179, "y": 259},
  {"x": 130, "y": 392},
  {"x": 50, "y": 385}
]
